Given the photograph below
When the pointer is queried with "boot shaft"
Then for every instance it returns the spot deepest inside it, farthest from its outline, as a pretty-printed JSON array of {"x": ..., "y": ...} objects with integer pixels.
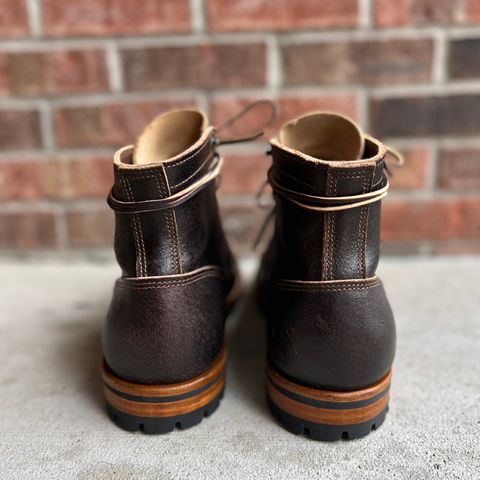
[
  {"x": 172, "y": 155},
  {"x": 326, "y": 244}
]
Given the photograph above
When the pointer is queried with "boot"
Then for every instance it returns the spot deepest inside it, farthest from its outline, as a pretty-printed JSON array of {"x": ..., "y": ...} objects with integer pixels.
[
  {"x": 164, "y": 359},
  {"x": 331, "y": 332}
]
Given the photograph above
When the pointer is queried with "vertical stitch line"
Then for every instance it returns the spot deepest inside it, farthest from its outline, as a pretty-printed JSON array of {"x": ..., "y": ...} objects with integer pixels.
[
  {"x": 326, "y": 231},
  {"x": 328, "y": 245},
  {"x": 171, "y": 222},
  {"x": 361, "y": 236},
  {"x": 134, "y": 231},
  {"x": 142, "y": 245},
  {"x": 358, "y": 242},
  {"x": 358, "y": 261},
  {"x": 326, "y": 224},
  {"x": 162, "y": 192},
  {"x": 333, "y": 230},
  {"x": 138, "y": 226},
  {"x": 374, "y": 171},
  {"x": 325, "y": 246},
  {"x": 324, "y": 272},
  {"x": 365, "y": 219}
]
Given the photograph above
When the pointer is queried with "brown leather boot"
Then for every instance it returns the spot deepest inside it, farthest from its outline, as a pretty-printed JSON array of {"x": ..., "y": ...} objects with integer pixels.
[
  {"x": 331, "y": 333},
  {"x": 163, "y": 338}
]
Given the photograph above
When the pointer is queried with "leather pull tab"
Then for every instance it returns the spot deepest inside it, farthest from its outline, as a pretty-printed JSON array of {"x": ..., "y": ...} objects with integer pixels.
[{"x": 261, "y": 112}]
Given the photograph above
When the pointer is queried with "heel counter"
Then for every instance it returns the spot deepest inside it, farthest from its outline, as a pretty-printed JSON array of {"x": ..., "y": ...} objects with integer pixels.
[
  {"x": 337, "y": 335},
  {"x": 165, "y": 329}
]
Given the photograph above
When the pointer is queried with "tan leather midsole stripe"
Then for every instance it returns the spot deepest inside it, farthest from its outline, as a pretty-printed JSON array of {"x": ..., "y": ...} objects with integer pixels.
[
  {"x": 325, "y": 415},
  {"x": 142, "y": 390},
  {"x": 165, "y": 409},
  {"x": 330, "y": 395}
]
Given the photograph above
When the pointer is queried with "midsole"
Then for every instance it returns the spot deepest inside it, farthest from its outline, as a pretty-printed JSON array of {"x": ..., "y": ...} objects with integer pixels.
[
  {"x": 165, "y": 400},
  {"x": 326, "y": 406}
]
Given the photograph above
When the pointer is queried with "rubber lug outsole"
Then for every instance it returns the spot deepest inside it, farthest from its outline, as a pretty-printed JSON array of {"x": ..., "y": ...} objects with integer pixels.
[
  {"x": 162, "y": 425},
  {"x": 327, "y": 433}
]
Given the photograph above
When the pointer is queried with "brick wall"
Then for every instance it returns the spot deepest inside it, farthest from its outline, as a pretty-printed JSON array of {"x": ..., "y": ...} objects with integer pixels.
[{"x": 79, "y": 78}]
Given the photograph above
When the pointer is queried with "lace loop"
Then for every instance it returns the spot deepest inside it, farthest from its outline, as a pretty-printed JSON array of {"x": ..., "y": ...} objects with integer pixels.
[
  {"x": 310, "y": 202},
  {"x": 213, "y": 171}
]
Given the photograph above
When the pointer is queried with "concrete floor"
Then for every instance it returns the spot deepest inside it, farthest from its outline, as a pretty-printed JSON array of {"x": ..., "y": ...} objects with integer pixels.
[{"x": 53, "y": 424}]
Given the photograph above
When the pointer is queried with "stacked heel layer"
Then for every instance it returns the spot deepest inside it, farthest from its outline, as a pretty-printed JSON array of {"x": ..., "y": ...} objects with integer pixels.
[
  {"x": 324, "y": 414},
  {"x": 162, "y": 408}
]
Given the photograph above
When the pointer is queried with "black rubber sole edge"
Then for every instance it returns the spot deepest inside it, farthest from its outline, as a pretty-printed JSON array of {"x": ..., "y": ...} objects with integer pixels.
[
  {"x": 322, "y": 432},
  {"x": 161, "y": 425}
]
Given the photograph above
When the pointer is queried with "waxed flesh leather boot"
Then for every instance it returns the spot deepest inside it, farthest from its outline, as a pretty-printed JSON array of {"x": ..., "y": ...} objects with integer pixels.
[
  {"x": 164, "y": 357},
  {"x": 330, "y": 329}
]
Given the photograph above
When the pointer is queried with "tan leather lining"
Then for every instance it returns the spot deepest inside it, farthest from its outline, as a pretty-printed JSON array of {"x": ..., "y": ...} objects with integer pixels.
[
  {"x": 168, "y": 135},
  {"x": 374, "y": 151},
  {"x": 324, "y": 135}
]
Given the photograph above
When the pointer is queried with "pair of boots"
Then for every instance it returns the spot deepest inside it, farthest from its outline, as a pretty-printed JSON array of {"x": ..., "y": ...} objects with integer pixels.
[{"x": 331, "y": 333}]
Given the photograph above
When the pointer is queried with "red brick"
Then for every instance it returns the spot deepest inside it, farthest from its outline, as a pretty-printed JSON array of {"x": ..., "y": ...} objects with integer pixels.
[
  {"x": 90, "y": 228},
  {"x": 108, "y": 125},
  {"x": 53, "y": 73},
  {"x": 13, "y": 19},
  {"x": 122, "y": 17},
  {"x": 420, "y": 115},
  {"x": 29, "y": 229},
  {"x": 430, "y": 219},
  {"x": 238, "y": 15},
  {"x": 289, "y": 107},
  {"x": 413, "y": 12},
  {"x": 89, "y": 177},
  {"x": 472, "y": 11},
  {"x": 244, "y": 173},
  {"x": 19, "y": 129},
  {"x": 459, "y": 169},
  {"x": 200, "y": 66},
  {"x": 388, "y": 14},
  {"x": 30, "y": 179},
  {"x": 371, "y": 62},
  {"x": 56, "y": 178},
  {"x": 413, "y": 174},
  {"x": 464, "y": 58}
]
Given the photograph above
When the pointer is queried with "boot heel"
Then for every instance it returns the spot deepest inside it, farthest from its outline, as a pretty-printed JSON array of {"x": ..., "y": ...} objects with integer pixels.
[
  {"x": 162, "y": 408},
  {"x": 327, "y": 415}
]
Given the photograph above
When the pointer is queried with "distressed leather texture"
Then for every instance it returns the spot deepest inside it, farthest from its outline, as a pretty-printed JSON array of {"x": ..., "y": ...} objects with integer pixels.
[
  {"x": 329, "y": 322},
  {"x": 165, "y": 330},
  {"x": 168, "y": 327}
]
